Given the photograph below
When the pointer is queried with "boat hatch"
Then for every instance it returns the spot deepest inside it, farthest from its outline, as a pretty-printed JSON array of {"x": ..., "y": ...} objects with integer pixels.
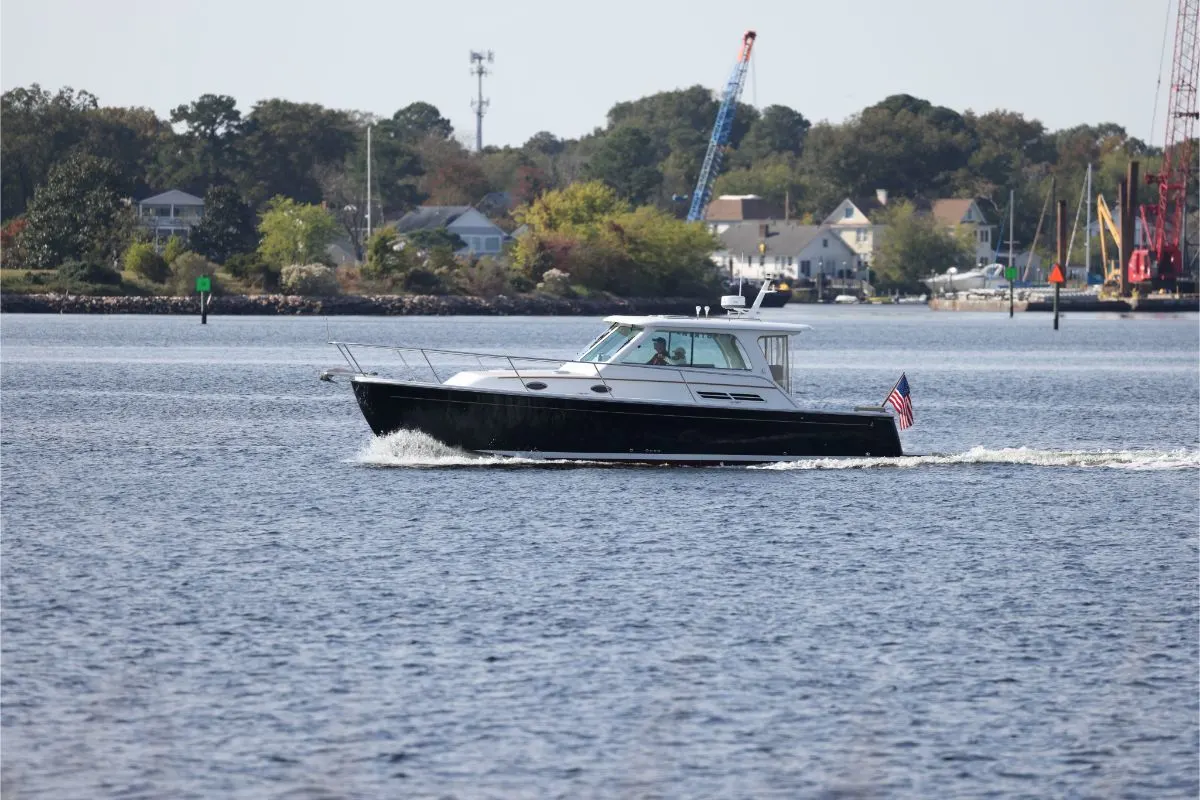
[{"x": 775, "y": 350}]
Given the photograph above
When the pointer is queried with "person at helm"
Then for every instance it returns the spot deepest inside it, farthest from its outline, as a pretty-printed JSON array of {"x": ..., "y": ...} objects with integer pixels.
[{"x": 659, "y": 359}]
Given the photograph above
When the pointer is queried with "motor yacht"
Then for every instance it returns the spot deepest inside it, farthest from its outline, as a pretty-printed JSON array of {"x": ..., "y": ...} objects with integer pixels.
[{"x": 649, "y": 389}]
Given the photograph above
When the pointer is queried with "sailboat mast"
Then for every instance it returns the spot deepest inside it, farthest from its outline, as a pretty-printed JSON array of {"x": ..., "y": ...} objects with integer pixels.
[
  {"x": 368, "y": 182},
  {"x": 1012, "y": 215},
  {"x": 1087, "y": 231}
]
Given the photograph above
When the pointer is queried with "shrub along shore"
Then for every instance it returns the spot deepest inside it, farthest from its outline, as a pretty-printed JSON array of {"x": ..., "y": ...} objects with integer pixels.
[{"x": 343, "y": 305}]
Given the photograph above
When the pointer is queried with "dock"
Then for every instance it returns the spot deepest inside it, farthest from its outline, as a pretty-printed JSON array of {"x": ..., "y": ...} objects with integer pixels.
[{"x": 1074, "y": 303}]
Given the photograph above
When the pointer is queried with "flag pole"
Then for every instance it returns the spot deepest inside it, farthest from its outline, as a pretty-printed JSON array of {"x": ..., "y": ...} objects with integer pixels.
[{"x": 889, "y": 394}]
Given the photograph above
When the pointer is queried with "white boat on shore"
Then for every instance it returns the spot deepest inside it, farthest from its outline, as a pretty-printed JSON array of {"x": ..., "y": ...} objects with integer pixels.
[{"x": 954, "y": 280}]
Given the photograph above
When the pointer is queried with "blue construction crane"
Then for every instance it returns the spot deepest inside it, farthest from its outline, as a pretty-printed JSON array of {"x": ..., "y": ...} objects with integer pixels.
[{"x": 720, "y": 134}]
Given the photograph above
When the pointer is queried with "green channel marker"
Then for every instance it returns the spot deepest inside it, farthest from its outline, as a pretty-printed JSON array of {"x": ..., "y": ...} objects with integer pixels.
[
  {"x": 204, "y": 284},
  {"x": 1010, "y": 273}
]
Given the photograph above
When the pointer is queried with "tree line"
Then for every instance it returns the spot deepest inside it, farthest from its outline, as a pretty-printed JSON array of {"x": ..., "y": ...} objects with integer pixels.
[{"x": 69, "y": 163}]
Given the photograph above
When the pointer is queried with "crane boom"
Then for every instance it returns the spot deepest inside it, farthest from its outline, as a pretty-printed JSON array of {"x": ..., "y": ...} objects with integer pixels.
[
  {"x": 1178, "y": 153},
  {"x": 1111, "y": 277},
  {"x": 721, "y": 130}
]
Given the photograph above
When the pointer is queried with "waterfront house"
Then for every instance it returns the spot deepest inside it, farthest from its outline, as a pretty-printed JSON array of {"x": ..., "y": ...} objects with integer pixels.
[
  {"x": 785, "y": 249},
  {"x": 851, "y": 221},
  {"x": 172, "y": 213},
  {"x": 482, "y": 236}
]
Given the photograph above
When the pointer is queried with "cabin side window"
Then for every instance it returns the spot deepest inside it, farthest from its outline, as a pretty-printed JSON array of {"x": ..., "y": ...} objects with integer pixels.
[
  {"x": 688, "y": 349},
  {"x": 775, "y": 350}
]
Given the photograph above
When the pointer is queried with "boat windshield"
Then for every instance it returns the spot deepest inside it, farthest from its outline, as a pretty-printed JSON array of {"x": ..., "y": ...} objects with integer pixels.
[{"x": 610, "y": 342}]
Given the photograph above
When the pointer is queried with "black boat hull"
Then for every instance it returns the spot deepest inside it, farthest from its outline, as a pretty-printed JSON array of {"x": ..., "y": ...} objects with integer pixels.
[{"x": 529, "y": 425}]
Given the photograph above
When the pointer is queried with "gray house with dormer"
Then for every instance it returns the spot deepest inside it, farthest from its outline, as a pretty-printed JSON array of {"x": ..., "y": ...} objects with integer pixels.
[
  {"x": 482, "y": 236},
  {"x": 172, "y": 213}
]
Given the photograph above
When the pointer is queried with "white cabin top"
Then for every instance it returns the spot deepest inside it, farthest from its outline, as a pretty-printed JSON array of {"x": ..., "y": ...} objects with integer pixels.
[{"x": 721, "y": 324}]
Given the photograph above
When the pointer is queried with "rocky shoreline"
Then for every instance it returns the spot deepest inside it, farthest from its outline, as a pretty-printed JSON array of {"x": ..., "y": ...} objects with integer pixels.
[{"x": 376, "y": 305}]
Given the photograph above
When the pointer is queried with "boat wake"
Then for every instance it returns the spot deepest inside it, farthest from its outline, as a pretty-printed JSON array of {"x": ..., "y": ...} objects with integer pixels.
[
  {"x": 1020, "y": 456},
  {"x": 416, "y": 450}
]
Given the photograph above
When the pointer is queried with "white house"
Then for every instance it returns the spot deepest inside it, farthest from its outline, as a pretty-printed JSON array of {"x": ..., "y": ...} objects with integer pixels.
[
  {"x": 758, "y": 250},
  {"x": 483, "y": 237},
  {"x": 851, "y": 222},
  {"x": 172, "y": 213}
]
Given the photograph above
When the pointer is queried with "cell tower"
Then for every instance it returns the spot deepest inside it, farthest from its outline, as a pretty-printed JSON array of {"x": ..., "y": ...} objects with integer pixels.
[{"x": 479, "y": 104}]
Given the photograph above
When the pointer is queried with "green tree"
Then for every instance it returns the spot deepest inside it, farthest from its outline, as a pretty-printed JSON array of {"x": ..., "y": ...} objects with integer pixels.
[
  {"x": 915, "y": 246},
  {"x": 227, "y": 227},
  {"x": 294, "y": 233},
  {"x": 626, "y": 160},
  {"x": 79, "y": 212},
  {"x": 387, "y": 254},
  {"x": 284, "y": 144},
  {"x": 418, "y": 120},
  {"x": 141, "y": 259},
  {"x": 208, "y": 152},
  {"x": 779, "y": 131},
  {"x": 186, "y": 269},
  {"x": 173, "y": 249},
  {"x": 40, "y": 129}
]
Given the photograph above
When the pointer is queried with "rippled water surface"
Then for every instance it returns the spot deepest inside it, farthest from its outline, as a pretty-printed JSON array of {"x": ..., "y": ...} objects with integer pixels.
[{"x": 216, "y": 583}]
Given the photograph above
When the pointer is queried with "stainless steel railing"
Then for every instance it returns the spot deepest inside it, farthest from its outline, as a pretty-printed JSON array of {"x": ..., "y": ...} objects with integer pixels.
[{"x": 654, "y": 374}]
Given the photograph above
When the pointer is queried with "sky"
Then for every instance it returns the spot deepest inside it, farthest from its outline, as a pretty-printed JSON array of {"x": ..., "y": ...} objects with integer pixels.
[{"x": 559, "y": 66}]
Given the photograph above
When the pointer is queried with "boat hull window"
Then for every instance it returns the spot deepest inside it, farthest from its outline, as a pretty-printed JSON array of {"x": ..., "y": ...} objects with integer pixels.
[
  {"x": 775, "y": 350},
  {"x": 609, "y": 342},
  {"x": 688, "y": 349}
]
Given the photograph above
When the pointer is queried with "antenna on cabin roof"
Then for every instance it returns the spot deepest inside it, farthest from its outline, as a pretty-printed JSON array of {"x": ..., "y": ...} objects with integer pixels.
[{"x": 480, "y": 104}]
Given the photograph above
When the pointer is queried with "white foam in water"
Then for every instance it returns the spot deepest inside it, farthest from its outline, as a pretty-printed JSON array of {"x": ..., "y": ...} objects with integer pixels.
[
  {"x": 1113, "y": 459},
  {"x": 415, "y": 449}
]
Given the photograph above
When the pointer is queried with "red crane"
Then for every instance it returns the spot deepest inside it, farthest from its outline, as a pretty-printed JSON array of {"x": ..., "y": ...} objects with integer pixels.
[{"x": 1167, "y": 217}]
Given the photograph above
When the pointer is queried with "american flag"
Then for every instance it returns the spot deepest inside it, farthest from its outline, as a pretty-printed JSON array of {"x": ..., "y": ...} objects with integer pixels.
[{"x": 902, "y": 402}]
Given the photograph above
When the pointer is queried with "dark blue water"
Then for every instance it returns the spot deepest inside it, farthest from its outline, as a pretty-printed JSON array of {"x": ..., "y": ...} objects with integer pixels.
[{"x": 216, "y": 584}]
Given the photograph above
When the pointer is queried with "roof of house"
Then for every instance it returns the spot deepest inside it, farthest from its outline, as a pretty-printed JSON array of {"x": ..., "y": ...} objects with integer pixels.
[
  {"x": 738, "y": 207},
  {"x": 174, "y": 197},
  {"x": 950, "y": 211},
  {"x": 498, "y": 201},
  {"x": 867, "y": 205},
  {"x": 428, "y": 217},
  {"x": 783, "y": 238}
]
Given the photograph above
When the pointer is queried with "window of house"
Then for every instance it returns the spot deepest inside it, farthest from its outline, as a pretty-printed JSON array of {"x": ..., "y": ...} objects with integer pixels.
[
  {"x": 847, "y": 212},
  {"x": 491, "y": 244},
  {"x": 805, "y": 267},
  {"x": 824, "y": 243},
  {"x": 985, "y": 235},
  {"x": 789, "y": 261}
]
